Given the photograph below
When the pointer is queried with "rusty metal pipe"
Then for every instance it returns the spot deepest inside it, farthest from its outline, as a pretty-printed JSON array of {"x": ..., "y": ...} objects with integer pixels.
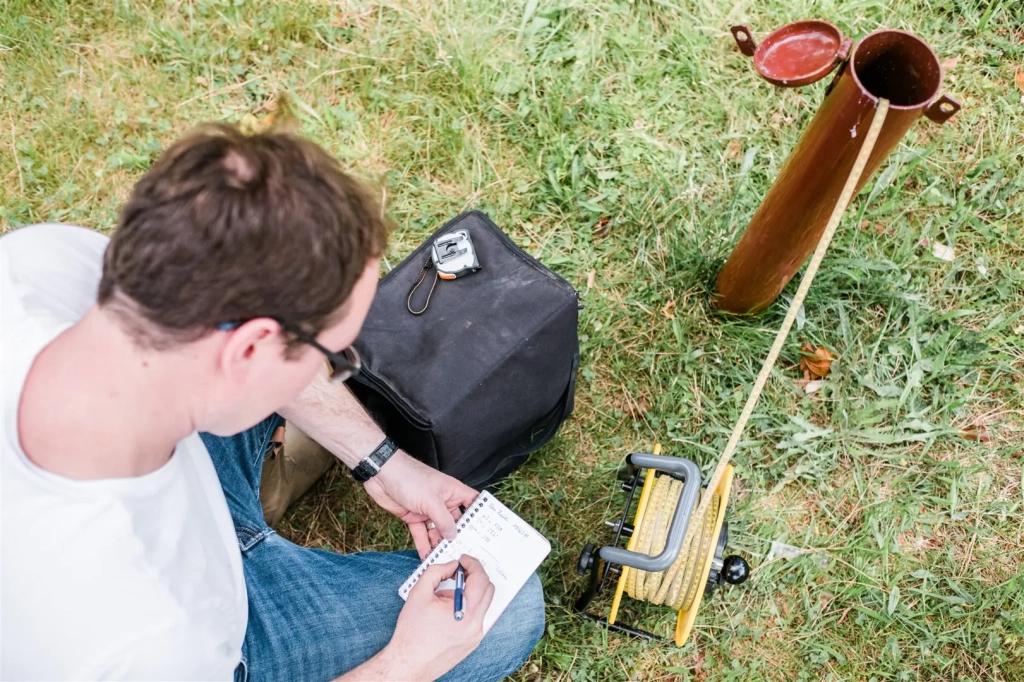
[{"x": 892, "y": 64}]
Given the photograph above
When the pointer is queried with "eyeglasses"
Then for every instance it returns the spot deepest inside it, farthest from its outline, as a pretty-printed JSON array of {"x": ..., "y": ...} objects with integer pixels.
[{"x": 344, "y": 364}]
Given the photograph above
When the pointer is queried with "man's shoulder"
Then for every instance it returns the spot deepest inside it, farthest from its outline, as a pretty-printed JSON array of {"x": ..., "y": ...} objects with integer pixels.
[
  {"x": 53, "y": 238},
  {"x": 50, "y": 269},
  {"x": 52, "y": 246},
  {"x": 53, "y": 230}
]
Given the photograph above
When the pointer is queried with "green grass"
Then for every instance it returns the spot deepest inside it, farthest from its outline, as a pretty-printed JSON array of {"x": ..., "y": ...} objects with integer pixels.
[{"x": 632, "y": 141}]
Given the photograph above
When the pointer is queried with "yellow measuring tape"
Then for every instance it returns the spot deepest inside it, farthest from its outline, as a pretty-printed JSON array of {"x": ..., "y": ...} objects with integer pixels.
[
  {"x": 682, "y": 585},
  {"x": 676, "y": 587}
]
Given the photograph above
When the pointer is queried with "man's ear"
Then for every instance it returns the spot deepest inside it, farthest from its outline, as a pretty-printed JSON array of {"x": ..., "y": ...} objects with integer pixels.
[{"x": 251, "y": 343}]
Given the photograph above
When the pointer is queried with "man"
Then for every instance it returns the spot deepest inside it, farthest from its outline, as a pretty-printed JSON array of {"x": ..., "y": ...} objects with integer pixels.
[{"x": 138, "y": 376}]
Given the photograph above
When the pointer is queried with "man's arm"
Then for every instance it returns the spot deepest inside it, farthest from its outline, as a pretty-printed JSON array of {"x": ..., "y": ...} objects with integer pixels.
[
  {"x": 406, "y": 487},
  {"x": 380, "y": 667},
  {"x": 329, "y": 414}
]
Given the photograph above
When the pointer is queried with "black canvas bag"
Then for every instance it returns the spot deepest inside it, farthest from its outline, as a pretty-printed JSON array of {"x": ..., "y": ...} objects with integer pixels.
[{"x": 486, "y": 374}]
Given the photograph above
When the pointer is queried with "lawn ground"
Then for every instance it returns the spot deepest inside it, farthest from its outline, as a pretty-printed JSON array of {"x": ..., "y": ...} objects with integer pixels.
[{"x": 626, "y": 144}]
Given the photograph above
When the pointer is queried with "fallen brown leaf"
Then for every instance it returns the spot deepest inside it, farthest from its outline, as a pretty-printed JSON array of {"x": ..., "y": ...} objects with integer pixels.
[
  {"x": 816, "y": 362},
  {"x": 734, "y": 148},
  {"x": 341, "y": 20},
  {"x": 950, "y": 63},
  {"x": 591, "y": 277},
  {"x": 1020, "y": 80},
  {"x": 975, "y": 432}
]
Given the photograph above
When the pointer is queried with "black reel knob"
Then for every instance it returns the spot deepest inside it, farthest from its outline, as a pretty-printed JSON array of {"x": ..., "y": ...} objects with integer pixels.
[
  {"x": 735, "y": 570},
  {"x": 586, "y": 559}
]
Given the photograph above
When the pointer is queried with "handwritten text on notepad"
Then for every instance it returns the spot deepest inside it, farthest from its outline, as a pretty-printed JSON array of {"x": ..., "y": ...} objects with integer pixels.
[{"x": 508, "y": 548}]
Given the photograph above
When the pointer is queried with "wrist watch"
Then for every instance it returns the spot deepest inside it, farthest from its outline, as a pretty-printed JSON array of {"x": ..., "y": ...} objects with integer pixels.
[{"x": 372, "y": 463}]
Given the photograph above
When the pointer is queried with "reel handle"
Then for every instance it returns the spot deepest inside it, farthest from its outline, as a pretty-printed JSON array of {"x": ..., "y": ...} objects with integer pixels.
[{"x": 680, "y": 520}]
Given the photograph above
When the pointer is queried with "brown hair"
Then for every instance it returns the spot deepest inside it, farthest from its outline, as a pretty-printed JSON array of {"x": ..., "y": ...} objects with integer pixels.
[{"x": 227, "y": 227}]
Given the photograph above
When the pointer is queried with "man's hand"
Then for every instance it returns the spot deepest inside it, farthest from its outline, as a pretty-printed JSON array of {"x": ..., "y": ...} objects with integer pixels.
[
  {"x": 427, "y": 637},
  {"x": 428, "y": 641},
  {"x": 418, "y": 494}
]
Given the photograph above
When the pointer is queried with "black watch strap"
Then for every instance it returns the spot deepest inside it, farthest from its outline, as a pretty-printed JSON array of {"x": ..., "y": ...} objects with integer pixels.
[{"x": 371, "y": 465}]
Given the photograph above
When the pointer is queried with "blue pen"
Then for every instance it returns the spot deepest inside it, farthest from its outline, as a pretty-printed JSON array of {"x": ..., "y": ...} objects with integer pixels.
[{"x": 460, "y": 585}]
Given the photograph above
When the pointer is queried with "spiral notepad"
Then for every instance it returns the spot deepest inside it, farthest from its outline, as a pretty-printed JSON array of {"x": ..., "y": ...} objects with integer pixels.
[{"x": 509, "y": 549}]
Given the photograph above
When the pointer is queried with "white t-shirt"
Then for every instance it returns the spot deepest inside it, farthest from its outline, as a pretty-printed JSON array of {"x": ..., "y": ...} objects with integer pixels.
[{"x": 130, "y": 578}]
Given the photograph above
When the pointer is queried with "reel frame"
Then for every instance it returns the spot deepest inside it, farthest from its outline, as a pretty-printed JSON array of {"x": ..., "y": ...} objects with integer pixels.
[{"x": 612, "y": 562}]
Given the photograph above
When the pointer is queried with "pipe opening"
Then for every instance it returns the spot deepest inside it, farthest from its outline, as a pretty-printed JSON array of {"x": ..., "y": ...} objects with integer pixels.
[{"x": 897, "y": 66}]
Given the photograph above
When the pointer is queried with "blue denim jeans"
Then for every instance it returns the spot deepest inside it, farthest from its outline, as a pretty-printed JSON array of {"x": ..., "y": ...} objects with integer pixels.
[{"x": 314, "y": 615}]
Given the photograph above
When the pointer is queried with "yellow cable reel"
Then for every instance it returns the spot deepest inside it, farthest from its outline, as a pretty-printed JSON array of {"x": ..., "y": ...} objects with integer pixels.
[{"x": 681, "y": 586}]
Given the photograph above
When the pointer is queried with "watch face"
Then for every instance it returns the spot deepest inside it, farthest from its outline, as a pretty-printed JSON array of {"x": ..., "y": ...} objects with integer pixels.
[
  {"x": 371, "y": 466},
  {"x": 383, "y": 453}
]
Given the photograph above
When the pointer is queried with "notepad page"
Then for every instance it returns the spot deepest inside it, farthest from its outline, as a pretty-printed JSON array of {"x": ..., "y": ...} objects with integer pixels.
[{"x": 509, "y": 549}]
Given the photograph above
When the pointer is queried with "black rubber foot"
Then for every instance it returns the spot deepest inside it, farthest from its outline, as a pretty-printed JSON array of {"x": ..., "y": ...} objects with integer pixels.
[
  {"x": 735, "y": 570},
  {"x": 586, "y": 559}
]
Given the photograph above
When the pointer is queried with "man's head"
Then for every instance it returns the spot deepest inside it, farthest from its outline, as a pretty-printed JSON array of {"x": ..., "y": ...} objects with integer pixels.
[{"x": 252, "y": 231}]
